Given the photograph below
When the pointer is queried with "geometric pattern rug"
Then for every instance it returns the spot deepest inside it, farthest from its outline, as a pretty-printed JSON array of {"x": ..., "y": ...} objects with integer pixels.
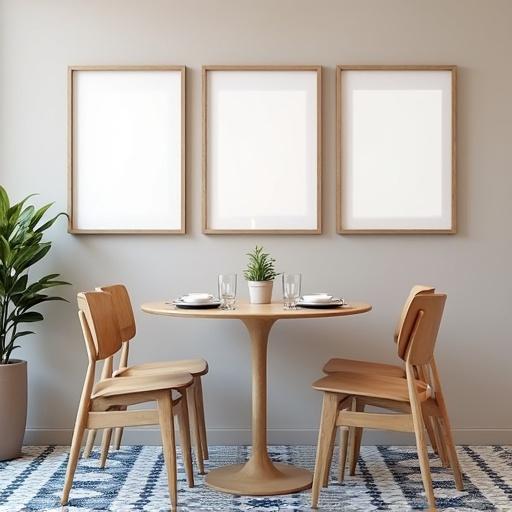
[{"x": 387, "y": 478}]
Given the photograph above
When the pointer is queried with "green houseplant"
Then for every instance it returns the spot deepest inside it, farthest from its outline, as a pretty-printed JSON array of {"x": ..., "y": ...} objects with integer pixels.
[
  {"x": 260, "y": 274},
  {"x": 21, "y": 246}
]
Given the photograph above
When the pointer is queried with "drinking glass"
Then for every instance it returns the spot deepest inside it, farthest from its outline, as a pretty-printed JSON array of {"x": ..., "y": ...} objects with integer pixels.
[
  {"x": 291, "y": 290},
  {"x": 227, "y": 291}
]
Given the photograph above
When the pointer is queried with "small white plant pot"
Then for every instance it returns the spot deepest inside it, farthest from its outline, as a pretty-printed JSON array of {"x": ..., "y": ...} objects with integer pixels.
[{"x": 260, "y": 292}]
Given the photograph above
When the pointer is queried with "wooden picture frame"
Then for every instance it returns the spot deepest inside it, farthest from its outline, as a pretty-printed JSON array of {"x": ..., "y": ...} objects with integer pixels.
[
  {"x": 424, "y": 98},
  {"x": 126, "y": 149},
  {"x": 242, "y": 97}
]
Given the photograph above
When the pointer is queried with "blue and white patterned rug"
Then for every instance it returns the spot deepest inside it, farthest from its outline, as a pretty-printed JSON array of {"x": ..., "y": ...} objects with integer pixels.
[{"x": 388, "y": 478}]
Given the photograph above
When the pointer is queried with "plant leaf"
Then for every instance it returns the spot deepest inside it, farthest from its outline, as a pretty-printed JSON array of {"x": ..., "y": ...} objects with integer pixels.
[
  {"x": 30, "y": 316},
  {"x": 20, "y": 334},
  {"x": 31, "y": 256},
  {"x": 50, "y": 223},
  {"x": 39, "y": 214},
  {"x": 20, "y": 284},
  {"x": 38, "y": 299},
  {"x": 4, "y": 203},
  {"x": 5, "y": 251}
]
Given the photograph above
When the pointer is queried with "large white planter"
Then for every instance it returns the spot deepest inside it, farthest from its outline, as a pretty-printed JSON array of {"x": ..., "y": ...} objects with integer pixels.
[{"x": 260, "y": 292}]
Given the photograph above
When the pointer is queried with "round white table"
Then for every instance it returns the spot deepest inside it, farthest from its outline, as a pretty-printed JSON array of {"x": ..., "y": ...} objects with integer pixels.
[{"x": 259, "y": 476}]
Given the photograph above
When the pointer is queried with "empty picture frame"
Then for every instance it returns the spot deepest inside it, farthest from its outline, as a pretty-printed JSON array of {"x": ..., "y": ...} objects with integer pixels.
[
  {"x": 126, "y": 149},
  {"x": 262, "y": 149},
  {"x": 396, "y": 159}
]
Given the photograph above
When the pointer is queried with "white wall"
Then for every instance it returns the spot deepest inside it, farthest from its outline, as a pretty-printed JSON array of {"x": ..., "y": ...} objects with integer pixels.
[{"x": 40, "y": 38}]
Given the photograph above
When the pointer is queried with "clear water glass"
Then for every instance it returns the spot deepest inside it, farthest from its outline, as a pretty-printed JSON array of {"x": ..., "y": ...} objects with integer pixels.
[
  {"x": 227, "y": 291},
  {"x": 291, "y": 290}
]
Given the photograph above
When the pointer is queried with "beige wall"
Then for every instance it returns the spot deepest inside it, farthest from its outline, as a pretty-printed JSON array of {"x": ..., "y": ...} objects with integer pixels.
[{"x": 39, "y": 39}]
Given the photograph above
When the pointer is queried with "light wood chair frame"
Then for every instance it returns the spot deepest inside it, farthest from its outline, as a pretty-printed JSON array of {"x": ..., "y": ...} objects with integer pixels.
[
  {"x": 350, "y": 439},
  {"x": 415, "y": 345},
  {"x": 195, "y": 391},
  {"x": 109, "y": 411}
]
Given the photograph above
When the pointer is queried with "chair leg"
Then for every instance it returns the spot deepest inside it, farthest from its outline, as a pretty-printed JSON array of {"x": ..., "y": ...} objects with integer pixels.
[
  {"x": 198, "y": 390},
  {"x": 446, "y": 429},
  {"x": 73, "y": 457},
  {"x": 431, "y": 422},
  {"x": 355, "y": 446},
  {"x": 91, "y": 436},
  {"x": 105, "y": 445},
  {"x": 118, "y": 436},
  {"x": 441, "y": 448},
  {"x": 451, "y": 452},
  {"x": 185, "y": 438},
  {"x": 429, "y": 425},
  {"x": 343, "y": 453},
  {"x": 419, "y": 432},
  {"x": 325, "y": 435},
  {"x": 327, "y": 472},
  {"x": 165, "y": 416},
  {"x": 356, "y": 449},
  {"x": 118, "y": 431},
  {"x": 196, "y": 429}
]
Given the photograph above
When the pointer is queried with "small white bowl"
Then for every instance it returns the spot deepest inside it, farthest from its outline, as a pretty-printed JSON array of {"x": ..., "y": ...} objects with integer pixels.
[
  {"x": 321, "y": 298},
  {"x": 197, "y": 298}
]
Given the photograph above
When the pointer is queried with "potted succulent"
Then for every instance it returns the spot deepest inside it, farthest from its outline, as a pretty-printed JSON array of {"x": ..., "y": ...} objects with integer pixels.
[
  {"x": 260, "y": 274},
  {"x": 21, "y": 246}
]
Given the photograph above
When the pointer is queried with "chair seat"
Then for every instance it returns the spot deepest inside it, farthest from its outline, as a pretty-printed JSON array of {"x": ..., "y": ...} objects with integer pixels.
[
  {"x": 335, "y": 365},
  {"x": 375, "y": 386},
  {"x": 140, "y": 384},
  {"x": 195, "y": 367}
]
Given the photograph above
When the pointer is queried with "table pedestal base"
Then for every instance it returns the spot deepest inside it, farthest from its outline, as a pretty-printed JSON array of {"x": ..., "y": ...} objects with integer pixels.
[{"x": 277, "y": 479}]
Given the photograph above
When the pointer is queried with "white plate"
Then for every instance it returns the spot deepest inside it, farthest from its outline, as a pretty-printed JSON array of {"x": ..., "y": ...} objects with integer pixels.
[
  {"x": 197, "y": 298},
  {"x": 336, "y": 302},
  {"x": 187, "y": 305},
  {"x": 321, "y": 298}
]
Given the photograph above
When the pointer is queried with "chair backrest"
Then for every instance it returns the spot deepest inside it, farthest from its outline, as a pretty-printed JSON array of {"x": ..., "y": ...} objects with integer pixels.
[
  {"x": 123, "y": 308},
  {"x": 101, "y": 326},
  {"x": 418, "y": 334},
  {"x": 418, "y": 289}
]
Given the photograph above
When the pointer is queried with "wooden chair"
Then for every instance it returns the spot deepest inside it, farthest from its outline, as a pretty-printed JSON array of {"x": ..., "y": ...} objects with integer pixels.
[
  {"x": 196, "y": 367},
  {"x": 103, "y": 405},
  {"x": 352, "y": 437},
  {"x": 407, "y": 397},
  {"x": 350, "y": 365}
]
